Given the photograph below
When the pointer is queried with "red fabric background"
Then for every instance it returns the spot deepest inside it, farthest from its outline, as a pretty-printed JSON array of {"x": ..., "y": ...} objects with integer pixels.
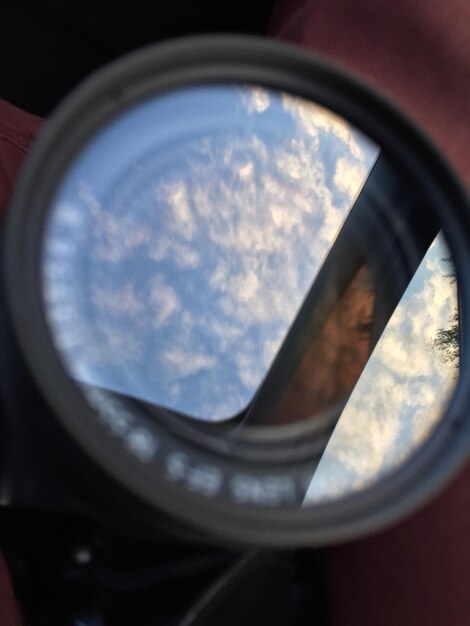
[
  {"x": 418, "y": 53},
  {"x": 17, "y": 131},
  {"x": 9, "y": 614}
]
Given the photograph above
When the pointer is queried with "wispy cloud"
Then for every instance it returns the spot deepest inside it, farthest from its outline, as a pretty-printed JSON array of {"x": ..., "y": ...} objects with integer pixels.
[
  {"x": 185, "y": 256},
  {"x": 120, "y": 301},
  {"x": 164, "y": 301},
  {"x": 187, "y": 362},
  {"x": 176, "y": 195}
]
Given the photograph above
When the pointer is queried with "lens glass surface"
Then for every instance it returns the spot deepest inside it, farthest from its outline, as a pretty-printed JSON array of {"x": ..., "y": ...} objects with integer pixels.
[{"x": 244, "y": 260}]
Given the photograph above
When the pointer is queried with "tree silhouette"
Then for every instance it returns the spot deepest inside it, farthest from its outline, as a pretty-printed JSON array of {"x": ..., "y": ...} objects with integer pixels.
[{"x": 446, "y": 340}]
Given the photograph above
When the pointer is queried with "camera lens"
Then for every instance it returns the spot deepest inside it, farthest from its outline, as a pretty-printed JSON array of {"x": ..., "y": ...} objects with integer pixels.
[{"x": 241, "y": 301}]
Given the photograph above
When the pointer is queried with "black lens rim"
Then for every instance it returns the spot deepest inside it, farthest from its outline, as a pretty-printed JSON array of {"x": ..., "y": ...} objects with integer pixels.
[{"x": 278, "y": 66}]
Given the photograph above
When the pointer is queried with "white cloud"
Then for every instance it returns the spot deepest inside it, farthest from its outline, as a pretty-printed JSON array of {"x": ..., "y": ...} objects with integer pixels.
[
  {"x": 159, "y": 247},
  {"x": 249, "y": 369},
  {"x": 109, "y": 343},
  {"x": 136, "y": 237},
  {"x": 176, "y": 196},
  {"x": 187, "y": 362},
  {"x": 315, "y": 118},
  {"x": 349, "y": 176},
  {"x": 121, "y": 301},
  {"x": 219, "y": 277},
  {"x": 283, "y": 218},
  {"x": 227, "y": 335},
  {"x": 256, "y": 99},
  {"x": 245, "y": 286},
  {"x": 245, "y": 171},
  {"x": 185, "y": 256},
  {"x": 164, "y": 301}
]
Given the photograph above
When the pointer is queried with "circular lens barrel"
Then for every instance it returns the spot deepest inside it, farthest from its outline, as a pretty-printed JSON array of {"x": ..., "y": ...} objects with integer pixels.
[{"x": 248, "y": 300}]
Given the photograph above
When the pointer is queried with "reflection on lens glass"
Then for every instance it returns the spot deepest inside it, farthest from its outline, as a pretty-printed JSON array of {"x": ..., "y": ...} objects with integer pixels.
[
  {"x": 246, "y": 258},
  {"x": 404, "y": 388},
  {"x": 187, "y": 235}
]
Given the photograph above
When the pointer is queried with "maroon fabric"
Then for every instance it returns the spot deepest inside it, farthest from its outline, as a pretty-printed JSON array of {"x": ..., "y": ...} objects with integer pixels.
[
  {"x": 9, "y": 613},
  {"x": 17, "y": 131},
  {"x": 416, "y": 574},
  {"x": 418, "y": 53}
]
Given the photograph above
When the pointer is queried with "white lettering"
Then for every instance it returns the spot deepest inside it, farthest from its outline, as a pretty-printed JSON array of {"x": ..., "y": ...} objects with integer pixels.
[
  {"x": 141, "y": 442},
  {"x": 203, "y": 479},
  {"x": 266, "y": 491}
]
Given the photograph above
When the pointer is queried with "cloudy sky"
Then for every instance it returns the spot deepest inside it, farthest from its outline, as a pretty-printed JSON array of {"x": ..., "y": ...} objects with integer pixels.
[
  {"x": 182, "y": 243},
  {"x": 402, "y": 391},
  {"x": 186, "y": 236}
]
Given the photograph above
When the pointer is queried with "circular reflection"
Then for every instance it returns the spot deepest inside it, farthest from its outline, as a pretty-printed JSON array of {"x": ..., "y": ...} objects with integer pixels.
[{"x": 239, "y": 255}]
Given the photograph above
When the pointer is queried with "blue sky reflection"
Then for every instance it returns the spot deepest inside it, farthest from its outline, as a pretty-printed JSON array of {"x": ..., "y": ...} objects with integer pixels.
[{"x": 185, "y": 237}]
